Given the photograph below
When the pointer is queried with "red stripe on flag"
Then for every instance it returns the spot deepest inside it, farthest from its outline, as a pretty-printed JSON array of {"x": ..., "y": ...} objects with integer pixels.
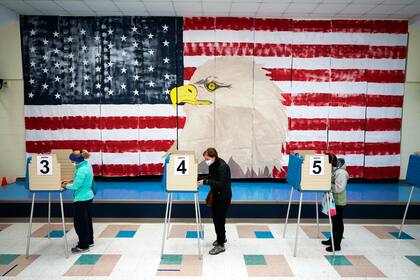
[
  {"x": 381, "y": 172},
  {"x": 199, "y": 23},
  {"x": 382, "y": 149},
  {"x": 342, "y": 100},
  {"x": 349, "y": 51},
  {"x": 273, "y": 24},
  {"x": 272, "y": 50},
  {"x": 348, "y": 75},
  {"x": 383, "y": 124},
  {"x": 317, "y": 146},
  {"x": 345, "y": 148},
  {"x": 355, "y": 171},
  {"x": 235, "y": 23},
  {"x": 386, "y": 76},
  {"x": 390, "y": 26},
  {"x": 312, "y": 25},
  {"x": 88, "y": 122},
  {"x": 108, "y": 146},
  {"x": 351, "y": 26},
  {"x": 301, "y": 50},
  {"x": 384, "y": 100},
  {"x": 394, "y": 52},
  {"x": 47, "y": 146},
  {"x": 305, "y": 75},
  {"x": 308, "y": 51},
  {"x": 346, "y": 124}
]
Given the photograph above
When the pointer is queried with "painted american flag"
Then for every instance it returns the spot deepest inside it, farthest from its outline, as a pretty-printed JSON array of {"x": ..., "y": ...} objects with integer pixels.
[{"x": 102, "y": 84}]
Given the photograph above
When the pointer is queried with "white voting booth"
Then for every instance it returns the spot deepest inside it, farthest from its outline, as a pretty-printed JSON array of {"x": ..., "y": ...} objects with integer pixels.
[
  {"x": 308, "y": 172},
  {"x": 45, "y": 172},
  {"x": 180, "y": 175}
]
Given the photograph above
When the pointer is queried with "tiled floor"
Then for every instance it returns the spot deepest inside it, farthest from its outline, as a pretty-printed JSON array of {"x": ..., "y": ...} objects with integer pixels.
[{"x": 254, "y": 251}]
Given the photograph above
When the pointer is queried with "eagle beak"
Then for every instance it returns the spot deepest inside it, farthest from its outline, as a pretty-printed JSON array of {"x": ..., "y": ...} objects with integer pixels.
[{"x": 186, "y": 94}]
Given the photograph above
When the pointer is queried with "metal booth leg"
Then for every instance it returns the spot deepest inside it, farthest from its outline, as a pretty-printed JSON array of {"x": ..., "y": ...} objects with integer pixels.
[
  {"x": 28, "y": 240},
  {"x": 288, "y": 211},
  {"x": 200, "y": 256},
  {"x": 406, "y": 210},
  {"x": 66, "y": 247},
  {"x": 298, "y": 224},
  {"x": 164, "y": 227}
]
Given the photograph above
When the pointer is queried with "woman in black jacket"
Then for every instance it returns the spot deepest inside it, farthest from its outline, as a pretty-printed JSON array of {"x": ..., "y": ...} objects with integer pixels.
[{"x": 220, "y": 184}]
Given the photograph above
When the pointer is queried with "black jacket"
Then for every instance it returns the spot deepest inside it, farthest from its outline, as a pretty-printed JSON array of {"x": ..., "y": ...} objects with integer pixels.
[{"x": 219, "y": 180}]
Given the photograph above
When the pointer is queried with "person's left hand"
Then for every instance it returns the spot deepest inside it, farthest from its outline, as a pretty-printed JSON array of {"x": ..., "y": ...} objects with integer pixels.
[
  {"x": 64, "y": 185},
  {"x": 200, "y": 182}
]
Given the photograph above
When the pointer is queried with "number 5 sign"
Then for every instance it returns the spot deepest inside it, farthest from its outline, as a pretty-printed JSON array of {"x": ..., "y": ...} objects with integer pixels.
[
  {"x": 316, "y": 166},
  {"x": 181, "y": 166},
  {"x": 44, "y": 165}
]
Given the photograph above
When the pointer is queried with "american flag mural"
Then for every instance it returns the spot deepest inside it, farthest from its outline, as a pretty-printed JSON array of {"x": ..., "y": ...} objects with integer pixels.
[{"x": 103, "y": 84}]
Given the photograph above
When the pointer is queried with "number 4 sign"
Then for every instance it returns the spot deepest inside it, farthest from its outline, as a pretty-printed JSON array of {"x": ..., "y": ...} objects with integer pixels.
[
  {"x": 316, "y": 166},
  {"x": 181, "y": 165},
  {"x": 44, "y": 165}
]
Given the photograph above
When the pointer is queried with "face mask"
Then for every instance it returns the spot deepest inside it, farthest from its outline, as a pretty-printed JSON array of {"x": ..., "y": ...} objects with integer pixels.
[{"x": 209, "y": 162}]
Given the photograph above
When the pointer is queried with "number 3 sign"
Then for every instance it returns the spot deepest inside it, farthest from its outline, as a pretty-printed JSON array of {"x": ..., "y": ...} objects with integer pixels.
[
  {"x": 181, "y": 165},
  {"x": 316, "y": 166},
  {"x": 44, "y": 165}
]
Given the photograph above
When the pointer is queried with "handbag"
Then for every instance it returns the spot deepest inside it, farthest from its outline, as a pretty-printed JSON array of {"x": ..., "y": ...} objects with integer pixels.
[
  {"x": 209, "y": 199},
  {"x": 328, "y": 207}
]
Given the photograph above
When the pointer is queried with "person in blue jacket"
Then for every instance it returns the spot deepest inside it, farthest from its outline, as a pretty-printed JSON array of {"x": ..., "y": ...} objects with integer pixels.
[{"x": 83, "y": 193}]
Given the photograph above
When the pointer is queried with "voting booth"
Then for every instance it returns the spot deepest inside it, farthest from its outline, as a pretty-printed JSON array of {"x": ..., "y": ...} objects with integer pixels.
[
  {"x": 66, "y": 167},
  {"x": 412, "y": 178},
  {"x": 45, "y": 174},
  {"x": 180, "y": 174},
  {"x": 309, "y": 172}
]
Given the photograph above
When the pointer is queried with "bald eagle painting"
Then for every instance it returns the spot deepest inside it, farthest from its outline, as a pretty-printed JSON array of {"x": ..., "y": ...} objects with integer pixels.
[{"x": 233, "y": 106}]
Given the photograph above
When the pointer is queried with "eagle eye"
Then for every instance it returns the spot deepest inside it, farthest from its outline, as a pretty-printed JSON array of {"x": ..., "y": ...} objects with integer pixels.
[{"x": 211, "y": 86}]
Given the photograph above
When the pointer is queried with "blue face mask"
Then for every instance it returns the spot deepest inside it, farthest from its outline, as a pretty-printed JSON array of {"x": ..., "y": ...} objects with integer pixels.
[{"x": 76, "y": 159}]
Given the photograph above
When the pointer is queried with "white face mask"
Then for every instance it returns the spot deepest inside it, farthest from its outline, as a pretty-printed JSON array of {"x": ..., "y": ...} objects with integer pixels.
[{"x": 209, "y": 162}]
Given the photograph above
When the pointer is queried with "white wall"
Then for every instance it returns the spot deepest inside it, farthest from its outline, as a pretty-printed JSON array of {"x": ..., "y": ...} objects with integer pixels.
[
  {"x": 12, "y": 131},
  {"x": 410, "y": 132}
]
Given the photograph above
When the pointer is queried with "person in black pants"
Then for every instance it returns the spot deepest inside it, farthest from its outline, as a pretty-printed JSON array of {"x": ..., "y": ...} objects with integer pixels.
[
  {"x": 220, "y": 184},
  {"x": 340, "y": 177}
]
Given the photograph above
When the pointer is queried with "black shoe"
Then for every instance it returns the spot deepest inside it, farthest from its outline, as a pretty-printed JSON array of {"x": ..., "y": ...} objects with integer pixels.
[
  {"x": 217, "y": 250},
  {"x": 78, "y": 250},
  {"x": 326, "y": 242},
  {"x": 330, "y": 249},
  {"x": 91, "y": 245},
  {"x": 215, "y": 242}
]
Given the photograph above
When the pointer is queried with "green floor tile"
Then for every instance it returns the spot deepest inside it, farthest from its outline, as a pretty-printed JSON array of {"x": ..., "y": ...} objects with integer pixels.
[
  {"x": 126, "y": 234},
  {"x": 254, "y": 260},
  {"x": 171, "y": 259},
  {"x": 403, "y": 235},
  {"x": 338, "y": 260},
  {"x": 88, "y": 259},
  {"x": 5, "y": 259},
  {"x": 414, "y": 259}
]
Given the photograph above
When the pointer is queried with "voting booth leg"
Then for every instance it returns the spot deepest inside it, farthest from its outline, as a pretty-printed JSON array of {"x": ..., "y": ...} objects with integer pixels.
[
  {"x": 164, "y": 226},
  {"x": 329, "y": 218},
  {"x": 288, "y": 211},
  {"x": 406, "y": 210},
  {"x": 199, "y": 216},
  {"x": 66, "y": 247},
  {"x": 49, "y": 214},
  {"x": 317, "y": 215},
  {"x": 298, "y": 223},
  {"x": 198, "y": 225},
  {"x": 28, "y": 240},
  {"x": 168, "y": 228}
]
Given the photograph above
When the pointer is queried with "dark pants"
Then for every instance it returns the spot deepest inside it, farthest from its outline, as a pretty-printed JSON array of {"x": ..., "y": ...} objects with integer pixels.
[
  {"x": 338, "y": 225},
  {"x": 219, "y": 209},
  {"x": 83, "y": 223}
]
